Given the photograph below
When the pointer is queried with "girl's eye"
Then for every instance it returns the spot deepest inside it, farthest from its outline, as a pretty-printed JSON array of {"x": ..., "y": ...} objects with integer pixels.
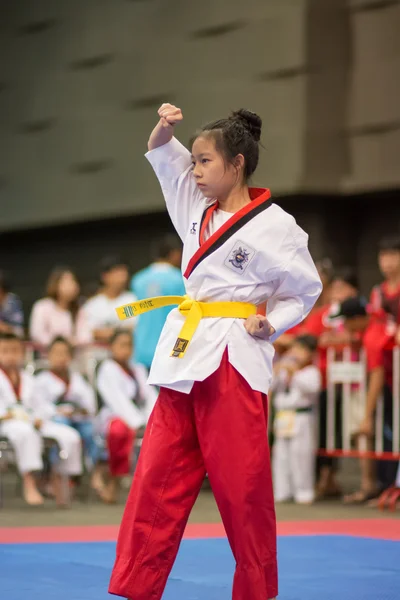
[{"x": 205, "y": 160}]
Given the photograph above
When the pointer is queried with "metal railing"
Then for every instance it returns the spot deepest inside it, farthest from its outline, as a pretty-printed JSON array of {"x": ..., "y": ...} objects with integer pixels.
[{"x": 347, "y": 381}]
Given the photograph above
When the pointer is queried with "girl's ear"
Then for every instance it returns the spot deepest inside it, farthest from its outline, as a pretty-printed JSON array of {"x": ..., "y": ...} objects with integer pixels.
[{"x": 238, "y": 162}]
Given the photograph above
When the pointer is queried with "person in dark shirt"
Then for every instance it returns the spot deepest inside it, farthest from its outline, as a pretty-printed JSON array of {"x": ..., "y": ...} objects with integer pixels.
[{"x": 11, "y": 311}]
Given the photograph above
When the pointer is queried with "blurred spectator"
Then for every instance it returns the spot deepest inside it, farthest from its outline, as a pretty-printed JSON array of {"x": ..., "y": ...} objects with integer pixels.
[
  {"x": 385, "y": 297},
  {"x": 11, "y": 312},
  {"x": 25, "y": 417},
  {"x": 385, "y": 304},
  {"x": 377, "y": 339},
  {"x": 330, "y": 332},
  {"x": 126, "y": 403},
  {"x": 59, "y": 313},
  {"x": 72, "y": 398},
  {"x": 162, "y": 278},
  {"x": 100, "y": 311},
  {"x": 16, "y": 424},
  {"x": 296, "y": 386}
]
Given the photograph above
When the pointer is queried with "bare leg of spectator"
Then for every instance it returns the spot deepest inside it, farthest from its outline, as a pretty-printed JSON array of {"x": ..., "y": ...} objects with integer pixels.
[
  {"x": 28, "y": 455},
  {"x": 368, "y": 488},
  {"x": 70, "y": 444}
]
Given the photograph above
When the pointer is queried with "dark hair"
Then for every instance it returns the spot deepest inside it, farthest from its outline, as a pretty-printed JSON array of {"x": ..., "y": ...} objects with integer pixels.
[
  {"x": 9, "y": 337},
  {"x": 108, "y": 263},
  {"x": 59, "y": 339},
  {"x": 310, "y": 342},
  {"x": 52, "y": 287},
  {"x": 4, "y": 281},
  {"x": 348, "y": 275},
  {"x": 118, "y": 333},
  {"x": 238, "y": 134},
  {"x": 390, "y": 243},
  {"x": 164, "y": 247}
]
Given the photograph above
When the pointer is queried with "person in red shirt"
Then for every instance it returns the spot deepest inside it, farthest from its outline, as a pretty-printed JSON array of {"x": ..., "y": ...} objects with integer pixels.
[
  {"x": 376, "y": 336},
  {"x": 385, "y": 297},
  {"x": 330, "y": 332}
]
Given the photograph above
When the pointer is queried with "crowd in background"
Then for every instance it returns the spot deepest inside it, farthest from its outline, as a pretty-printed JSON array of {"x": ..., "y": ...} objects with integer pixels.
[{"x": 94, "y": 414}]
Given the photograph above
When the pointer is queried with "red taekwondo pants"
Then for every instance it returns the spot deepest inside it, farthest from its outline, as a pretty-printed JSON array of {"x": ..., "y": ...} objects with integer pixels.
[{"x": 220, "y": 428}]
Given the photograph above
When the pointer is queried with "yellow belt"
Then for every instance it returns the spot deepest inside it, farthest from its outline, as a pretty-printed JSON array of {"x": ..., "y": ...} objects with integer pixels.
[{"x": 191, "y": 309}]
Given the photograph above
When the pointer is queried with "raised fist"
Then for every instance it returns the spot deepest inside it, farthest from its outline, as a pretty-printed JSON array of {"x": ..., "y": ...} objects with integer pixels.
[{"x": 170, "y": 115}]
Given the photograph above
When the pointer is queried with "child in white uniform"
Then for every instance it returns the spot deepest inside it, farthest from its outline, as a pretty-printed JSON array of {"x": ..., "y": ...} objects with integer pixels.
[
  {"x": 16, "y": 423},
  {"x": 296, "y": 385},
  {"x": 72, "y": 397},
  {"x": 126, "y": 403},
  {"x": 24, "y": 420}
]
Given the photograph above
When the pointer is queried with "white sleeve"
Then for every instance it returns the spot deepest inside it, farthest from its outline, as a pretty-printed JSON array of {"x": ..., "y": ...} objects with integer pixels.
[
  {"x": 4, "y": 404},
  {"x": 303, "y": 390},
  {"x": 115, "y": 399},
  {"x": 307, "y": 381},
  {"x": 38, "y": 325},
  {"x": 172, "y": 163},
  {"x": 41, "y": 401},
  {"x": 279, "y": 381},
  {"x": 147, "y": 392},
  {"x": 298, "y": 288},
  {"x": 90, "y": 315}
]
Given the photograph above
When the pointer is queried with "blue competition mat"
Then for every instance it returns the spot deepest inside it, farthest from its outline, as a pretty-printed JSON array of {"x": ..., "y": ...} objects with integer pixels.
[{"x": 311, "y": 568}]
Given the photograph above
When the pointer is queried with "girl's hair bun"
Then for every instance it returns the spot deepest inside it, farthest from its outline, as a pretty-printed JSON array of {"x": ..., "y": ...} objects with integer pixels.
[{"x": 251, "y": 121}]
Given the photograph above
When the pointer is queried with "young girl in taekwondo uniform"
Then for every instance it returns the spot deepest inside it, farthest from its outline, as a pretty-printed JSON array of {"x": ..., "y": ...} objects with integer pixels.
[
  {"x": 240, "y": 250},
  {"x": 70, "y": 400},
  {"x": 126, "y": 401},
  {"x": 24, "y": 420}
]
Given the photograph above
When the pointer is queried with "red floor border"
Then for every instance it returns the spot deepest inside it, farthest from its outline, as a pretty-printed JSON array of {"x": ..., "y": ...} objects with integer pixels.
[{"x": 384, "y": 529}]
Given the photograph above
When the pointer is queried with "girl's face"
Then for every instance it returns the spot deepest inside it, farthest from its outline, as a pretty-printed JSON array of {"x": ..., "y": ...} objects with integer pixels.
[
  {"x": 302, "y": 355},
  {"x": 389, "y": 263},
  {"x": 116, "y": 278},
  {"x": 341, "y": 290},
  {"x": 68, "y": 288},
  {"x": 214, "y": 177},
  {"x": 122, "y": 348},
  {"x": 60, "y": 357},
  {"x": 11, "y": 354}
]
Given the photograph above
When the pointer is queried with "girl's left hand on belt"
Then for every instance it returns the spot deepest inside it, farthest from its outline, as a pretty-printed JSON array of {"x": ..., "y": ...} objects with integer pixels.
[{"x": 259, "y": 326}]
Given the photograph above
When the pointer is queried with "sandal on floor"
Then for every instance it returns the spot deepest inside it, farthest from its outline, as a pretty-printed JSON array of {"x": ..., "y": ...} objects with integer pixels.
[{"x": 359, "y": 497}]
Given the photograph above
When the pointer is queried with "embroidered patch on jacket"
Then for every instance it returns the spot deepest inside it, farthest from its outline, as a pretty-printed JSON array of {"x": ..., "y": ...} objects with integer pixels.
[{"x": 239, "y": 257}]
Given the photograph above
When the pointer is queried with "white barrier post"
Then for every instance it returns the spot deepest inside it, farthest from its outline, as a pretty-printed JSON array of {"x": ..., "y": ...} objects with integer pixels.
[
  {"x": 330, "y": 398},
  {"x": 346, "y": 373},
  {"x": 379, "y": 426},
  {"x": 362, "y": 441},
  {"x": 346, "y": 399}
]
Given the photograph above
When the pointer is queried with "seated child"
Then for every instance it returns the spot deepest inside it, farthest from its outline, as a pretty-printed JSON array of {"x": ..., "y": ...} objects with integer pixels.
[
  {"x": 126, "y": 403},
  {"x": 24, "y": 420},
  {"x": 70, "y": 399}
]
